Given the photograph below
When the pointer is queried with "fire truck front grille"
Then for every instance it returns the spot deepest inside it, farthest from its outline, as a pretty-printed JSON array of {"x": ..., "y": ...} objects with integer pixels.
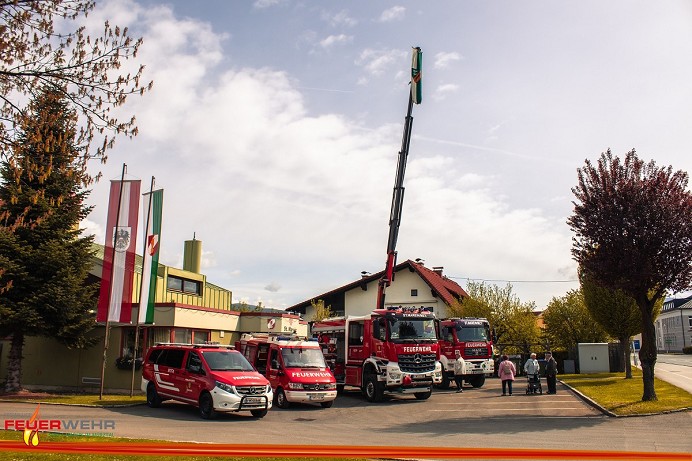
[
  {"x": 417, "y": 363},
  {"x": 475, "y": 351},
  {"x": 316, "y": 387},
  {"x": 251, "y": 390}
]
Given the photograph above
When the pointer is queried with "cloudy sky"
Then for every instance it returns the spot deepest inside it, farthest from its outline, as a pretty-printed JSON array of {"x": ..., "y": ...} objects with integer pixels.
[{"x": 274, "y": 127}]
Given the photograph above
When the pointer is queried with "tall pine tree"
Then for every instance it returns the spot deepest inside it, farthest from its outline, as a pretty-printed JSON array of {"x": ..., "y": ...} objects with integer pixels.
[{"x": 44, "y": 259}]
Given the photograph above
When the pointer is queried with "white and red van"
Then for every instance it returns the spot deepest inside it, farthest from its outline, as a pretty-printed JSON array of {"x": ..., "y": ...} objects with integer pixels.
[
  {"x": 214, "y": 378},
  {"x": 294, "y": 367}
]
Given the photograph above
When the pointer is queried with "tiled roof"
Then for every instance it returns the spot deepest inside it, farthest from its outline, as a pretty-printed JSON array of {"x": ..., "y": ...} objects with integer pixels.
[{"x": 447, "y": 289}]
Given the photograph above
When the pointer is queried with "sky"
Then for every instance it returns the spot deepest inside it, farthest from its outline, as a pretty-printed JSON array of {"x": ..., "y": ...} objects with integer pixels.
[{"x": 274, "y": 128}]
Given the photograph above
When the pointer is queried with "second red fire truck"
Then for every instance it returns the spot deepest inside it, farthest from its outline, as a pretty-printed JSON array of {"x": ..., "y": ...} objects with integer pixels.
[
  {"x": 294, "y": 367},
  {"x": 472, "y": 338}
]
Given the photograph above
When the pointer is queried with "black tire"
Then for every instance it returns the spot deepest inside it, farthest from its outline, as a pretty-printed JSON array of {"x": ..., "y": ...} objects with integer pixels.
[
  {"x": 327, "y": 404},
  {"x": 259, "y": 413},
  {"x": 206, "y": 406},
  {"x": 373, "y": 390},
  {"x": 340, "y": 388},
  {"x": 423, "y": 395},
  {"x": 281, "y": 400},
  {"x": 444, "y": 385},
  {"x": 477, "y": 381},
  {"x": 153, "y": 398}
]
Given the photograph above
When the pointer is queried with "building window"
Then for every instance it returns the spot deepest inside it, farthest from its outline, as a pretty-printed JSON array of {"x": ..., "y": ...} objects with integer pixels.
[
  {"x": 188, "y": 336},
  {"x": 689, "y": 321},
  {"x": 184, "y": 285},
  {"x": 128, "y": 343},
  {"x": 414, "y": 291}
]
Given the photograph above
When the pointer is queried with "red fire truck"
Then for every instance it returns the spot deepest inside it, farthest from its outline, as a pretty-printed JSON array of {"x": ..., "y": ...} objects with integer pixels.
[
  {"x": 294, "y": 367},
  {"x": 471, "y": 337},
  {"x": 390, "y": 351}
]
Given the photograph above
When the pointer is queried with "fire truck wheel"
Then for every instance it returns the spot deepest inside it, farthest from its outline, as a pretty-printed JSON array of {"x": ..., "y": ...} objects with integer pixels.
[
  {"x": 374, "y": 391},
  {"x": 153, "y": 399},
  {"x": 281, "y": 400},
  {"x": 327, "y": 404},
  {"x": 423, "y": 395},
  {"x": 206, "y": 406},
  {"x": 259, "y": 413},
  {"x": 444, "y": 385},
  {"x": 477, "y": 381}
]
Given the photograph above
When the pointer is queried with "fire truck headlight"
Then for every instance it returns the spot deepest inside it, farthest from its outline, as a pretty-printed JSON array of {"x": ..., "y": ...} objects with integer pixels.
[
  {"x": 330, "y": 387},
  {"x": 225, "y": 387},
  {"x": 293, "y": 385},
  {"x": 394, "y": 375},
  {"x": 269, "y": 389}
]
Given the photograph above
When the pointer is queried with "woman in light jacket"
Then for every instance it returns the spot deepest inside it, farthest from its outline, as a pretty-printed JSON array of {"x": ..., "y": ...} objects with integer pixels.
[{"x": 506, "y": 372}]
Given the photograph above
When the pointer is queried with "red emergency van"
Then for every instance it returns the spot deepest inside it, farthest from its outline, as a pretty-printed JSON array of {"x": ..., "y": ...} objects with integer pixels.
[
  {"x": 214, "y": 378},
  {"x": 294, "y": 366}
]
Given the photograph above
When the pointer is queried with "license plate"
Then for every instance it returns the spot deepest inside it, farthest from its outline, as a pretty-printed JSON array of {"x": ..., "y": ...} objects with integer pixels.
[
  {"x": 316, "y": 396},
  {"x": 253, "y": 400}
]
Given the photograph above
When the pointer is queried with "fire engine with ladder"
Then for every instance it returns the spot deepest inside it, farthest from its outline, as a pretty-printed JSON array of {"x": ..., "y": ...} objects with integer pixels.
[{"x": 394, "y": 349}]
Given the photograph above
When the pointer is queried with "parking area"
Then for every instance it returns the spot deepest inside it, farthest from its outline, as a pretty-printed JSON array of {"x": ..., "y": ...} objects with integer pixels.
[{"x": 485, "y": 402}]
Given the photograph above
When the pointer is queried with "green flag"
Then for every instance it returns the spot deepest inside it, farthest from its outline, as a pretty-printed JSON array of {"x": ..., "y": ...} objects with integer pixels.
[
  {"x": 150, "y": 263},
  {"x": 416, "y": 74}
]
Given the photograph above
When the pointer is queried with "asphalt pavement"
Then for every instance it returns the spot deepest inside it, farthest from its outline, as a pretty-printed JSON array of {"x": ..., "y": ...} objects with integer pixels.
[{"x": 675, "y": 369}]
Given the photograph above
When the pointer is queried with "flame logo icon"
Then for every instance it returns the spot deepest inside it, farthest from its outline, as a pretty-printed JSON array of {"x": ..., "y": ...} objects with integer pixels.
[{"x": 31, "y": 435}]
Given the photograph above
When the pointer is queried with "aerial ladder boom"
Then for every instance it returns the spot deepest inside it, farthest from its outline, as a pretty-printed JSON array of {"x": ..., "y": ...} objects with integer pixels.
[{"x": 414, "y": 97}]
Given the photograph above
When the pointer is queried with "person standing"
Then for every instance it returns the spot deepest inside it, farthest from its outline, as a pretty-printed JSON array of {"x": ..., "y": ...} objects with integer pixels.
[
  {"x": 459, "y": 371},
  {"x": 506, "y": 372},
  {"x": 531, "y": 367},
  {"x": 551, "y": 373}
]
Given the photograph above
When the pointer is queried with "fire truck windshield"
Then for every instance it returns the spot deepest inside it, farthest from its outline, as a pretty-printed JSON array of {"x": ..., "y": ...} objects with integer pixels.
[
  {"x": 299, "y": 357},
  {"x": 407, "y": 329},
  {"x": 467, "y": 333},
  {"x": 226, "y": 361}
]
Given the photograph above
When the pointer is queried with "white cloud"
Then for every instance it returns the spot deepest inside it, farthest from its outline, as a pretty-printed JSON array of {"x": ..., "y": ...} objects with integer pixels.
[
  {"x": 342, "y": 18},
  {"x": 261, "y": 4},
  {"x": 336, "y": 39},
  {"x": 395, "y": 13},
  {"x": 444, "y": 90},
  {"x": 378, "y": 61},
  {"x": 444, "y": 59}
]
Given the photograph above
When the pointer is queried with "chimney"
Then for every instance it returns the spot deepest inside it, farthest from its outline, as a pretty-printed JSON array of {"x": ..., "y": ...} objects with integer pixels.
[
  {"x": 192, "y": 255},
  {"x": 438, "y": 270}
]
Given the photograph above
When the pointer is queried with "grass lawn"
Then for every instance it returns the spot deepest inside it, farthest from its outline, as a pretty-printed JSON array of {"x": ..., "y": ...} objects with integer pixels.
[
  {"x": 77, "y": 399},
  {"x": 624, "y": 396}
]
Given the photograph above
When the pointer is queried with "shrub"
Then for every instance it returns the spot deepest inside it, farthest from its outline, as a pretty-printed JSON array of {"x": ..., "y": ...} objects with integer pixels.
[{"x": 687, "y": 350}]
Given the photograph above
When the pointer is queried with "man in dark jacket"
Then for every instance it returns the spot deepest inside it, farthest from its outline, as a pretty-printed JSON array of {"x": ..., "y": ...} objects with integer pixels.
[{"x": 550, "y": 372}]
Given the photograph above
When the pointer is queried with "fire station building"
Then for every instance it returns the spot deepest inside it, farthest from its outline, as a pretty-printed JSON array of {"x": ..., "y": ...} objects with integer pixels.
[{"x": 188, "y": 309}]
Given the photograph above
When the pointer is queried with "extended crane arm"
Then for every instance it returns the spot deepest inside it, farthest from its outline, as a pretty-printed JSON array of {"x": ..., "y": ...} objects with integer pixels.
[{"x": 398, "y": 193}]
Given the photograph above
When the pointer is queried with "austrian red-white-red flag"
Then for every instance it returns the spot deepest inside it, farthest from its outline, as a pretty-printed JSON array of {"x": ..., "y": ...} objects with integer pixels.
[{"x": 115, "y": 297}]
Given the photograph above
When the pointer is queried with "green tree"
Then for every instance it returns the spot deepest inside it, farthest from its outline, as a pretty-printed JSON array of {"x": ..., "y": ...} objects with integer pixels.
[
  {"x": 568, "y": 322},
  {"x": 48, "y": 261},
  {"x": 633, "y": 232},
  {"x": 514, "y": 322},
  {"x": 321, "y": 311},
  {"x": 616, "y": 312},
  {"x": 90, "y": 71}
]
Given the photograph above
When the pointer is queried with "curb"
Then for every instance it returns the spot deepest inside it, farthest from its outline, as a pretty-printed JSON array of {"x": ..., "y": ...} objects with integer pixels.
[{"x": 121, "y": 405}]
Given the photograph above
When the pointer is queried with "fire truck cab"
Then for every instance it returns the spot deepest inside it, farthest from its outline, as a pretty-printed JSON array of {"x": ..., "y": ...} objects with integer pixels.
[
  {"x": 294, "y": 366},
  {"x": 472, "y": 338}
]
